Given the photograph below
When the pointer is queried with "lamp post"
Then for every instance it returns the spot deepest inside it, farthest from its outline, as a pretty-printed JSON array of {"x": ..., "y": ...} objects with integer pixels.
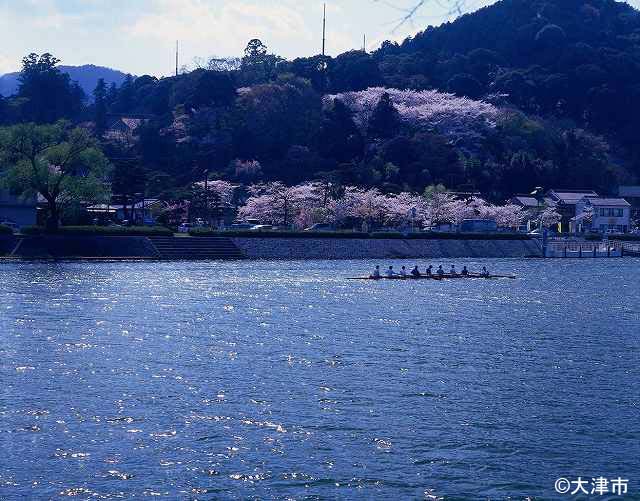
[{"x": 538, "y": 193}]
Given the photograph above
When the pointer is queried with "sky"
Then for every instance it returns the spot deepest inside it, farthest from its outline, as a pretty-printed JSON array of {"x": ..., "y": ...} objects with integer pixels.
[{"x": 139, "y": 36}]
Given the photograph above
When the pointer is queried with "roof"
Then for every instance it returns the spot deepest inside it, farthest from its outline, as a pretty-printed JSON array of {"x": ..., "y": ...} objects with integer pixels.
[
  {"x": 525, "y": 201},
  {"x": 609, "y": 202},
  {"x": 629, "y": 191},
  {"x": 147, "y": 204},
  {"x": 529, "y": 201},
  {"x": 571, "y": 197},
  {"x": 130, "y": 123}
]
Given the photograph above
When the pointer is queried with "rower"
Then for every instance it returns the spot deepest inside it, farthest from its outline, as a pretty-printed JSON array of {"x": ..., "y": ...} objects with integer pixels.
[
  {"x": 390, "y": 273},
  {"x": 376, "y": 272},
  {"x": 429, "y": 271},
  {"x": 465, "y": 272},
  {"x": 403, "y": 272},
  {"x": 453, "y": 271},
  {"x": 416, "y": 272},
  {"x": 484, "y": 272},
  {"x": 440, "y": 270}
]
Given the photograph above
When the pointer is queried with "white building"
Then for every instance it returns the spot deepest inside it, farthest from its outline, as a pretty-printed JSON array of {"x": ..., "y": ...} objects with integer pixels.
[{"x": 602, "y": 215}]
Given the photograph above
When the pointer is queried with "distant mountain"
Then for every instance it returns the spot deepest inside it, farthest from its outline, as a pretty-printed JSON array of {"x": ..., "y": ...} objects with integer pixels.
[{"x": 87, "y": 76}]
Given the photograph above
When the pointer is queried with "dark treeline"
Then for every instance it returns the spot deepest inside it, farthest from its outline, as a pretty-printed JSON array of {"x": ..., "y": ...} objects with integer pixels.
[{"x": 564, "y": 71}]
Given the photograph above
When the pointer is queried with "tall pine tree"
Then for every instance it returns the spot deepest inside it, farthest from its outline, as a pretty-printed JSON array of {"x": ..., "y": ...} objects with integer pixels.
[
  {"x": 385, "y": 120},
  {"x": 100, "y": 108}
]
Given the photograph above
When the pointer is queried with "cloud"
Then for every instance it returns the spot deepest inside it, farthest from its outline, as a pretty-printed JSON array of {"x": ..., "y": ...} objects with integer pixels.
[
  {"x": 223, "y": 27},
  {"x": 7, "y": 65}
]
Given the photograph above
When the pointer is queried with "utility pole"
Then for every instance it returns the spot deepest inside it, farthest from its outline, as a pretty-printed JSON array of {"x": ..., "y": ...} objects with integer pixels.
[
  {"x": 364, "y": 43},
  {"x": 176, "y": 57},
  {"x": 324, "y": 29}
]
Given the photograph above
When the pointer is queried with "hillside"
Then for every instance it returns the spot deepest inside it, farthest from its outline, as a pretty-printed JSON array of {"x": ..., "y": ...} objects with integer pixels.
[
  {"x": 557, "y": 58},
  {"x": 521, "y": 94},
  {"x": 87, "y": 76}
]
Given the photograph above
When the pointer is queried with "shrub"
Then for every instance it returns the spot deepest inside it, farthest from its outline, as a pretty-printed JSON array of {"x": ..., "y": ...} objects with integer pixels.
[
  {"x": 278, "y": 234},
  {"x": 5, "y": 230},
  {"x": 146, "y": 231},
  {"x": 435, "y": 235},
  {"x": 388, "y": 234},
  {"x": 352, "y": 234}
]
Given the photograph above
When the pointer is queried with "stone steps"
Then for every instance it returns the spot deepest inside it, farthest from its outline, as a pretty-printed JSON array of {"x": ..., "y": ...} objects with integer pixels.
[{"x": 195, "y": 248}]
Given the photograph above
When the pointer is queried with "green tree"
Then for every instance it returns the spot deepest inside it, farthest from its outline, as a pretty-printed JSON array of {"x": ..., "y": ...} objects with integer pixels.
[
  {"x": 258, "y": 66},
  {"x": 125, "y": 102},
  {"x": 48, "y": 94},
  {"x": 59, "y": 163},
  {"x": 385, "y": 120},
  {"x": 100, "y": 107},
  {"x": 339, "y": 137}
]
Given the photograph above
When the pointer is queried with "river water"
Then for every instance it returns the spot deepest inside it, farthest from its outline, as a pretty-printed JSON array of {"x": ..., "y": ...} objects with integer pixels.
[{"x": 283, "y": 380}]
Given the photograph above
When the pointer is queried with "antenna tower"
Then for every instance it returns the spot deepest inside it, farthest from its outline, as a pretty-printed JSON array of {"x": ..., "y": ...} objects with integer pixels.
[{"x": 324, "y": 28}]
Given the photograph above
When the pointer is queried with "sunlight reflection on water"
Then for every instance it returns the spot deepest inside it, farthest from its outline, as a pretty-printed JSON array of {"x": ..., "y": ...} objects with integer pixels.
[{"x": 276, "y": 379}]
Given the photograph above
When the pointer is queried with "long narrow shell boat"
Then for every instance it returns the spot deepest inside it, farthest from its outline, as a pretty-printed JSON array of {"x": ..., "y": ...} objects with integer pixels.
[{"x": 437, "y": 277}]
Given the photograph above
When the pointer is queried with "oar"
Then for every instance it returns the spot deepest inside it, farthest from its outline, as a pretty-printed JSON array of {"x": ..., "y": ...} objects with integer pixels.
[{"x": 480, "y": 275}]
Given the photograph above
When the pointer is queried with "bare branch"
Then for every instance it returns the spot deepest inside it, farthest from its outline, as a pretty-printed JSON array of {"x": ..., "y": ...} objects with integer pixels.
[{"x": 454, "y": 8}]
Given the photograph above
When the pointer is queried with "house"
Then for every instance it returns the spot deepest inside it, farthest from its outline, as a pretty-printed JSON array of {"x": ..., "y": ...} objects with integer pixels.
[
  {"x": 602, "y": 214},
  {"x": 534, "y": 208},
  {"x": 16, "y": 210},
  {"x": 144, "y": 212},
  {"x": 632, "y": 195},
  {"x": 565, "y": 202},
  {"x": 122, "y": 130}
]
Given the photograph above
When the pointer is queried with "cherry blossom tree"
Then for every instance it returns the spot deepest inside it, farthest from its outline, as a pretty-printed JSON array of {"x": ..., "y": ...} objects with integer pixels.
[
  {"x": 219, "y": 191},
  {"x": 461, "y": 119},
  {"x": 309, "y": 203},
  {"x": 508, "y": 216},
  {"x": 439, "y": 208},
  {"x": 275, "y": 203},
  {"x": 405, "y": 208},
  {"x": 247, "y": 170},
  {"x": 550, "y": 217}
]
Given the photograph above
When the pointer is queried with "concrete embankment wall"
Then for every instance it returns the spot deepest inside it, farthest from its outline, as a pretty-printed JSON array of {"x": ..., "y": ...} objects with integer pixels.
[
  {"x": 82, "y": 246},
  {"x": 342, "y": 248},
  {"x": 134, "y": 247}
]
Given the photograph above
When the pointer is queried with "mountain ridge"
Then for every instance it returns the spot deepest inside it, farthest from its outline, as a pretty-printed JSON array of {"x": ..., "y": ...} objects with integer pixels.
[{"x": 86, "y": 75}]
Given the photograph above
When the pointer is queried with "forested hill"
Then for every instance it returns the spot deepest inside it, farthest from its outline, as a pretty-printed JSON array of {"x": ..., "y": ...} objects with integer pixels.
[
  {"x": 521, "y": 94},
  {"x": 575, "y": 58},
  {"x": 87, "y": 77}
]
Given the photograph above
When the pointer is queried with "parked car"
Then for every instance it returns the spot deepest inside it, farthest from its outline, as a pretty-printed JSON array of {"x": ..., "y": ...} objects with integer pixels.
[
  {"x": 320, "y": 227},
  {"x": 262, "y": 227},
  {"x": 240, "y": 226},
  {"x": 185, "y": 228}
]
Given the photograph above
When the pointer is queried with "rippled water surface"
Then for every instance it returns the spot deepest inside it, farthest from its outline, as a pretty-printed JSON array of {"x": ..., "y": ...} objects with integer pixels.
[{"x": 282, "y": 379}]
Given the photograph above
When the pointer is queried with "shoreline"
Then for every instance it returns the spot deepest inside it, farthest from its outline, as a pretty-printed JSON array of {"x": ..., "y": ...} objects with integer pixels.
[{"x": 140, "y": 248}]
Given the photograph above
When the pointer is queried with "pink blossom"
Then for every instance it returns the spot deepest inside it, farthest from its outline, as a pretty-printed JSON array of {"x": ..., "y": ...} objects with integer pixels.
[{"x": 460, "y": 118}]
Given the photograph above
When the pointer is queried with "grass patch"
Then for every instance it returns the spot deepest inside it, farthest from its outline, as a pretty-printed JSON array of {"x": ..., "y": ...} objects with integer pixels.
[{"x": 5, "y": 230}]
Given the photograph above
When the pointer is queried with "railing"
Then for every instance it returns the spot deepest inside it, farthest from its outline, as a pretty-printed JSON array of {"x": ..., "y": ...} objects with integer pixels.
[
  {"x": 631, "y": 248},
  {"x": 584, "y": 249}
]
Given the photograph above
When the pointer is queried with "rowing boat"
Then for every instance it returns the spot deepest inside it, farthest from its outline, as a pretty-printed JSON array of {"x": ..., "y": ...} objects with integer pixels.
[{"x": 436, "y": 277}]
